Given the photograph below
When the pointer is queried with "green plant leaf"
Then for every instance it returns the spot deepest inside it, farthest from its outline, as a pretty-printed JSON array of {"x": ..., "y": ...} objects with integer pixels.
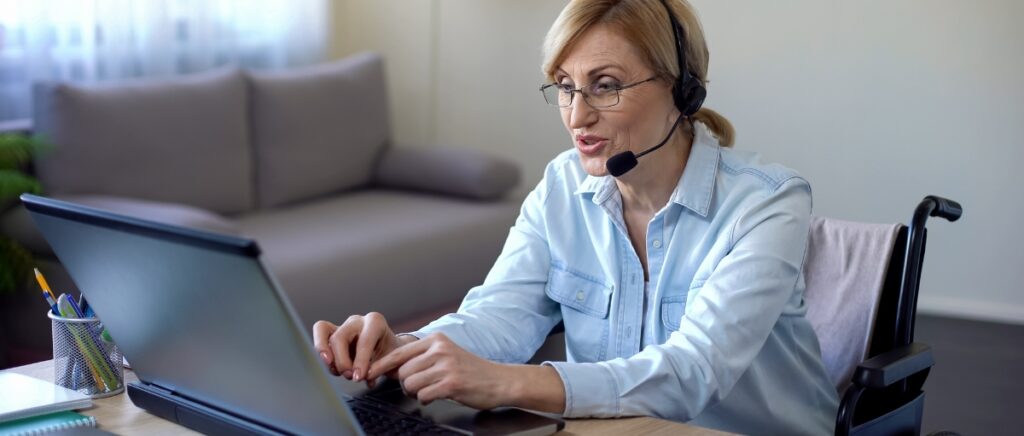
[
  {"x": 15, "y": 263},
  {"x": 14, "y": 183},
  {"x": 16, "y": 150}
]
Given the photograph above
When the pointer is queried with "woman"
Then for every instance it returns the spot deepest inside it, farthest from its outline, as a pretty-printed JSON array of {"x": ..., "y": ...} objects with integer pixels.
[{"x": 678, "y": 281}]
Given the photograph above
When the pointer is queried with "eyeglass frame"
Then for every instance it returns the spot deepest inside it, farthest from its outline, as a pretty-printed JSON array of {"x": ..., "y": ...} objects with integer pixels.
[{"x": 572, "y": 93}]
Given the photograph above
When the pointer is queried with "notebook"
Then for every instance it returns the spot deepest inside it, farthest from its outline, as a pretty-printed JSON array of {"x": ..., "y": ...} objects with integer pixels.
[
  {"x": 22, "y": 396},
  {"x": 46, "y": 423}
]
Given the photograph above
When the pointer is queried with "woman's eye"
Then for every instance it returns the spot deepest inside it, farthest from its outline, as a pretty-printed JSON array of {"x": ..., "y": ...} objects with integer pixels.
[
  {"x": 604, "y": 87},
  {"x": 564, "y": 87}
]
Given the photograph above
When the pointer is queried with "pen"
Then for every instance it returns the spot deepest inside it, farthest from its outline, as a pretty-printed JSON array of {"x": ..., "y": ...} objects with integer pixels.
[
  {"x": 84, "y": 305},
  {"x": 47, "y": 293},
  {"x": 53, "y": 304},
  {"x": 74, "y": 307}
]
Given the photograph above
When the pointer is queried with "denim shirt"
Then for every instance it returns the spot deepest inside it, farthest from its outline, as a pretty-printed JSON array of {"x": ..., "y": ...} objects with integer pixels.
[{"x": 723, "y": 342}]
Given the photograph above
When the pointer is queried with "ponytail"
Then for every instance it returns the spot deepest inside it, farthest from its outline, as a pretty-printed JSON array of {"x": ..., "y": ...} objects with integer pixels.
[{"x": 719, "y": 125}]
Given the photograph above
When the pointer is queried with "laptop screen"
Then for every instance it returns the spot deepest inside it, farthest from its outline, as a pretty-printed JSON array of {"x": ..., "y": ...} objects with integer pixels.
[{"x": 197, "y": 314}]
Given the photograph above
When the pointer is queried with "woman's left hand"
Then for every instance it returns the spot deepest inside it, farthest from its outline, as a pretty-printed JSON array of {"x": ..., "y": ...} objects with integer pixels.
[{"x": 434, "y": 368}]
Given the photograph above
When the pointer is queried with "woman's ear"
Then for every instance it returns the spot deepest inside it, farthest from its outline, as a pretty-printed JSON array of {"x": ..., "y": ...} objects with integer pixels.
[{"x": 673, "y": 113}]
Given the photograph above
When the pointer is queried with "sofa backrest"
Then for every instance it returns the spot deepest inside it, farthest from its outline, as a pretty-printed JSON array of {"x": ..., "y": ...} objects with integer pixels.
[
  {"x": 319, "y": 129},
  {"x": 183, "y": 140},
  {"x": 226, "y": 141}
]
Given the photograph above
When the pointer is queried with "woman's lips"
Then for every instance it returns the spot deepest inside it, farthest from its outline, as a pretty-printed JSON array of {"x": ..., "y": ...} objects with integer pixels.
[{"x": 590, "y": 145}]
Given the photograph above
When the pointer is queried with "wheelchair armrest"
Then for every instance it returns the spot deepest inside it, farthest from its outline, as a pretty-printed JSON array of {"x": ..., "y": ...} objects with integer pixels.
[{"x": 892, "y": 366}]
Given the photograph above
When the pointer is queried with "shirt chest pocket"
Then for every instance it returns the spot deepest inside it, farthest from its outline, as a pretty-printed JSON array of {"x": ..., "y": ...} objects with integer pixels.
[
  {"x": 672, "y": 311},
  {"x": 674, "y": 306},
  {"x": 585, "y": 304}
]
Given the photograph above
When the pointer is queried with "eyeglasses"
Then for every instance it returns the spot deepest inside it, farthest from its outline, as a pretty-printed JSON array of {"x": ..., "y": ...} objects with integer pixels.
[{"x": 597, "y": 95}]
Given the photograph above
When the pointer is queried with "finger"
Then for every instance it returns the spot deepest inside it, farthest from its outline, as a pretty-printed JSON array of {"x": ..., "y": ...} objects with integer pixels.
[
  {"x": 341, "y": 342},
  {"x": 397, "y": 357},
  {"x": 416, "y": 364},
  {"x": 374, "y": 328},
  {"x": 322, "y": 331},
  {"x": 414, "y": 382},
  {"x": 438, "y": 390}
]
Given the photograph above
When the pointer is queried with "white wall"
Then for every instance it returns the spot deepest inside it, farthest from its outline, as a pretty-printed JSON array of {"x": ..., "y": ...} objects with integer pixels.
[
  {"x": 877, "y": 103},
  {"x": 463, "y": 73},
  {"x": 401, "y": 31}
]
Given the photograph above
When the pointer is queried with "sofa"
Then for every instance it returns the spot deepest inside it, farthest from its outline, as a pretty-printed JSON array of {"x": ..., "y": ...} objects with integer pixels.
[{"x": 300, "y": 160}]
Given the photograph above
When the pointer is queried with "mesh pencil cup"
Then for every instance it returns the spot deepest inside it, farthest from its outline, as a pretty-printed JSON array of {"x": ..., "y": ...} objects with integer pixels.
[{"x": 85, "y": 359}]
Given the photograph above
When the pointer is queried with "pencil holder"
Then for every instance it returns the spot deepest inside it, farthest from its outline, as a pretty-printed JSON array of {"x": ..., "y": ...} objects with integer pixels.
[{"x": 85, "y": 359}]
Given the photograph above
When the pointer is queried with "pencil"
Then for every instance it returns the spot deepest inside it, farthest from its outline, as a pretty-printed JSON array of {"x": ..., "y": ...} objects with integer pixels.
[{"x": 44, "y": 285}]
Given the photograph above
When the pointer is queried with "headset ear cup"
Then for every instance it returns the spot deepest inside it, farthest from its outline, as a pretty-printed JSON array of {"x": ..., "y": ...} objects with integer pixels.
[
  {"x": 679, "y": 97},
  {"x": 689, "y": 96},
  {"x": 695, "y": 100}
]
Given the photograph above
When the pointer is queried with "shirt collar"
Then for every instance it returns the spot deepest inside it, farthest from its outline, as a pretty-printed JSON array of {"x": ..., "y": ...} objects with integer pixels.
[
  {"x": 695, "y": 187},
  {"x": 600, "y": 187}
]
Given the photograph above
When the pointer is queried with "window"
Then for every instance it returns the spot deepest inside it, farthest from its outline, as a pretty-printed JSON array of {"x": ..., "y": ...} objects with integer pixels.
[{"x": 104, "y": 40}]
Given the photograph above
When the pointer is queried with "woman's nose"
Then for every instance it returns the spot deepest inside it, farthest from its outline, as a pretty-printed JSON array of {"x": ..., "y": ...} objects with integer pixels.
[{"x": 580, "y": 113}]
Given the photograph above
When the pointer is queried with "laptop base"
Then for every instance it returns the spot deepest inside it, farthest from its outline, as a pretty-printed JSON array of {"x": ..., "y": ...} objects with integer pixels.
[{"x": 196, "y": 416}]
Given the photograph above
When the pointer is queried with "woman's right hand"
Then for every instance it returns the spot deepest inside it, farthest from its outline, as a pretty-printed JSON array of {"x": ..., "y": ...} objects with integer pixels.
[{"x": 349, "y": 349}]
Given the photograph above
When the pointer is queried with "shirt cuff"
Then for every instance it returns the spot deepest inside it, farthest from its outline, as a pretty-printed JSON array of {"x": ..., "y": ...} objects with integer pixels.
[{"x": 590, "y": 389}]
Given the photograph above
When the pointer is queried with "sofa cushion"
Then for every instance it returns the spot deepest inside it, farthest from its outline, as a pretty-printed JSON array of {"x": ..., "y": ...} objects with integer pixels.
[
  {"x": 398, "y": 253},
  {"x": 183, "y": 140},
  {"x": 18, "y": 225},
  {"x": 464, "y": 173},
  {"x": 318, "y": 129}
]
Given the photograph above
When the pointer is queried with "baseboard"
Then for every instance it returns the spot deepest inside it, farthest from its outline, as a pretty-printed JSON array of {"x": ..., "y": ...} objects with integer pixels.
[{"x": 971, "y": 309}]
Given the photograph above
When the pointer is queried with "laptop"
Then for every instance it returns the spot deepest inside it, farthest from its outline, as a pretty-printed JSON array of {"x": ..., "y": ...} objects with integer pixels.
[{"x": 215, "y": 342}]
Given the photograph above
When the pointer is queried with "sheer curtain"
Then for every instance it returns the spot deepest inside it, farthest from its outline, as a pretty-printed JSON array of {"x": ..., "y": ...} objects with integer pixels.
[{"x": 104, "y": 40}]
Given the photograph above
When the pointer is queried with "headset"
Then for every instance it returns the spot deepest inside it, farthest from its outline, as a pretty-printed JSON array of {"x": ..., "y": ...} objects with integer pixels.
[{"x": 687, "y": 94}]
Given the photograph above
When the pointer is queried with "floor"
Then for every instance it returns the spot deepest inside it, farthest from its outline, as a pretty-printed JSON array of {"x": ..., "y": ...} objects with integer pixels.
[{"x": 977, "y": 384}]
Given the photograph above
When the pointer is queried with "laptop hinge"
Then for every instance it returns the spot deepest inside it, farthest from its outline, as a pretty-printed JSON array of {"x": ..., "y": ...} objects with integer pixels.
[{"x": 192, "y": 414}]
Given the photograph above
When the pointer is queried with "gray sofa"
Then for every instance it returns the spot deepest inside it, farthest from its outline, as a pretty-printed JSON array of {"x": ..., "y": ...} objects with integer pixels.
[{"x": 299, "y": 160}]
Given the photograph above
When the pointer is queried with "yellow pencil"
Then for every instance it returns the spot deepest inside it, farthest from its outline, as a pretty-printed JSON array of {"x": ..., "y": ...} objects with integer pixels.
[{"x": 43, "y": 284}]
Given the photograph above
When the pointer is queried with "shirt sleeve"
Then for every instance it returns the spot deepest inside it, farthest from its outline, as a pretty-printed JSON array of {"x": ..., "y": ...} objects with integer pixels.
[
  {"x": 724, "y": 326},
  {"x": 508, "y": 317}
]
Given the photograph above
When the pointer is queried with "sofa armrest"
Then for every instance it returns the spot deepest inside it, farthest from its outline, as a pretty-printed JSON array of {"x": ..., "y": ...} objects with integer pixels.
[
  {"x": 892, "y": 366},
  {"x": 18, "y": 225},
  {"x": 458, "y": 172}
]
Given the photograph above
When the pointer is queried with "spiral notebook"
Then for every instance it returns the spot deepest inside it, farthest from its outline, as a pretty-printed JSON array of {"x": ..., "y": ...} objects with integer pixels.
[
  {"x": 46, "y": 423},
  {"x": 22, "y": 396}
]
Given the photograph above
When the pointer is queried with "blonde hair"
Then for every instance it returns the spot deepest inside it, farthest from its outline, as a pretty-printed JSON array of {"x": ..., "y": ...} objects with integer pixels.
[{"x": 646, "y": 25}]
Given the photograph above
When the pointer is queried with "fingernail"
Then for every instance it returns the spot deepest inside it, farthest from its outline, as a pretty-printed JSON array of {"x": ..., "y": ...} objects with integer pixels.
[
  {"x": 323, "y": 355},
  {"x": 348, "y": 374},
  {"x": 356, "y": 375}
]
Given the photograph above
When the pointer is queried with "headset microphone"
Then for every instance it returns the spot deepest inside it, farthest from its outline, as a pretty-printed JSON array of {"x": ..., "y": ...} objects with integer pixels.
[
  {"x": 687, "y": 94},
  {"x": 623, "y": 162}
]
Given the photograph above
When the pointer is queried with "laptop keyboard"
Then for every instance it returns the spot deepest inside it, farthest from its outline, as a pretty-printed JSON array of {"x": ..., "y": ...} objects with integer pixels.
[{"x": 382, "y": 419}]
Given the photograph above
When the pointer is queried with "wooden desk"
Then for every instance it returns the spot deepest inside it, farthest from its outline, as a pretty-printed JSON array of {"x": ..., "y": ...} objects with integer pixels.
[{"x": 118, "y": 415}]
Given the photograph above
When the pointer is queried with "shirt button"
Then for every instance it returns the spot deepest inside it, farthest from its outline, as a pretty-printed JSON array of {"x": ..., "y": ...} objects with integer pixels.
[
  {"x": 656, "y": 243},
  {"x": 580, "y": 295},
  {"x": 629, "y": 332}
]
